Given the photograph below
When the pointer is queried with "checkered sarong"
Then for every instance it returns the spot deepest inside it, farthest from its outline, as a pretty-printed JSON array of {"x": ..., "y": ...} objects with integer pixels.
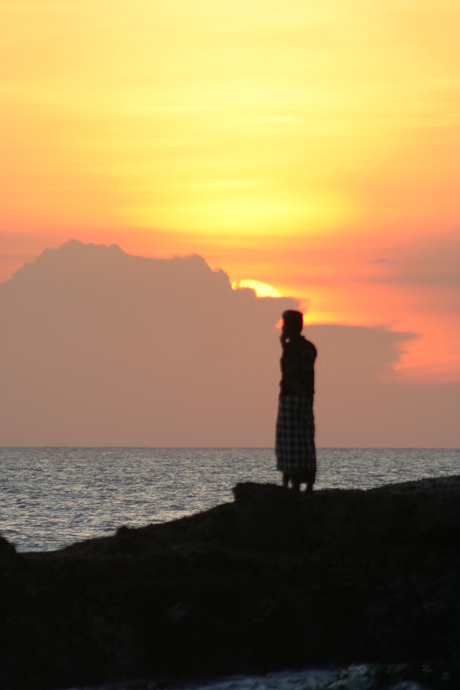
[{"x": 295, "y": 435}]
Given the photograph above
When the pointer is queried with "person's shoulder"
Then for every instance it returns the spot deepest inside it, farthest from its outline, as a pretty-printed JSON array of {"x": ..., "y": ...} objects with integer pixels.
[{"x": 308, "y": 345}]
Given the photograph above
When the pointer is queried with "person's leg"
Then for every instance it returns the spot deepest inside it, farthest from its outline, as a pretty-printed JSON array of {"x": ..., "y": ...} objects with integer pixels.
[
  {"x": 309, "y": 488},
  {"x": 295, "y": 484}
]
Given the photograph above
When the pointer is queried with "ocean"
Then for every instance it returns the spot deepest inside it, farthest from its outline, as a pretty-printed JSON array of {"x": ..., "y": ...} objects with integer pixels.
[{"x": 52, "y": 497}]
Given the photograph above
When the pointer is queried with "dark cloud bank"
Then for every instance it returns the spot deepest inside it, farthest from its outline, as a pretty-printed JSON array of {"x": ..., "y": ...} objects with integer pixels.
[{"x": 98, "y": 347}]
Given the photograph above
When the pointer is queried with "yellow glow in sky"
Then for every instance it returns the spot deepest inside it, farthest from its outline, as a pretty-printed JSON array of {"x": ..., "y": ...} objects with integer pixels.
[
  {"x": 242, "y": 117},
  {"x": 242, "y": 131}
]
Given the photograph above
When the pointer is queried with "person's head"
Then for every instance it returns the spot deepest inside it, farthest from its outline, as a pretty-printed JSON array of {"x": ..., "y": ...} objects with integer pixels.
[{"x": 292, "y": 323}]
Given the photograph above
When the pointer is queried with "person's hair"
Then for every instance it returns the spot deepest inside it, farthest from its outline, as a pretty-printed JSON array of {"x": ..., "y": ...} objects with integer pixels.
[{"x": 294, "y": 319}]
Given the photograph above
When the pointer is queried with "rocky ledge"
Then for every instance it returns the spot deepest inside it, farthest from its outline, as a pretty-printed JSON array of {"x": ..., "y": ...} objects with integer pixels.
[{"x": 274, "y": 580}]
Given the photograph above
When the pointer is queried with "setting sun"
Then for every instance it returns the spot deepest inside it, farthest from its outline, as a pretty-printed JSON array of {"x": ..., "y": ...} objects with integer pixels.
[{"x": 261, "y": 289}]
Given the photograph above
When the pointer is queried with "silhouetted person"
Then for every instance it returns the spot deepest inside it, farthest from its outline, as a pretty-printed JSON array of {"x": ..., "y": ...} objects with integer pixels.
[{"x": 295, "y": 426}]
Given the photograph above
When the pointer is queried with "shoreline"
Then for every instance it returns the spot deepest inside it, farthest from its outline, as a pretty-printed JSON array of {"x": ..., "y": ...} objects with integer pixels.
[{"x": 274, "y": 580}]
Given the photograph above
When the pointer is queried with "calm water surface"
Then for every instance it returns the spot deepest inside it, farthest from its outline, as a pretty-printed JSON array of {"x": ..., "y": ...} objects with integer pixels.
[{"x": 52, "y": 497}]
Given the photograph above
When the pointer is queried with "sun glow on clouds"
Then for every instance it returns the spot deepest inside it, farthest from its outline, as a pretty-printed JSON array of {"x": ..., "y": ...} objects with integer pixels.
[{"x": 261, "y": 289}]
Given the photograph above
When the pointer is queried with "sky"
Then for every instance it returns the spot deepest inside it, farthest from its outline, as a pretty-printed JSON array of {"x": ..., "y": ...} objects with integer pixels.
[{"x": 314, "y": 147}]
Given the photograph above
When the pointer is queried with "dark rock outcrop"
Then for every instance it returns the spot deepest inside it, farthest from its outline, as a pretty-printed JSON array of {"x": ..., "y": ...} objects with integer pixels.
[{"x": 274, "y": 580}]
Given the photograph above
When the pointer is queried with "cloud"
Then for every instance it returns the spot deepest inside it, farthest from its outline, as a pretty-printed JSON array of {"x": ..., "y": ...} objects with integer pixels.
[
  {"x": 431, "y": 261},
  {"x": 380, "y": 261},
  {"x": 15, "y": 250},
  {"x": 106, "y": 348},
  {"x": 361, "y": 402},
  {"x": 99, "y": 347},
  {"x": 168, "y": 110}
]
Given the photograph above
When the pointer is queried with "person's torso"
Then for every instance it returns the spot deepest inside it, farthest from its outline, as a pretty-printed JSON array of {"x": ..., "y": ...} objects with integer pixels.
[{"x": 297, "y": 367}]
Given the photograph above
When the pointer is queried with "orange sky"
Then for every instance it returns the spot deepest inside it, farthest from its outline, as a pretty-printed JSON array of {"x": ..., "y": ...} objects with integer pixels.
[{"x": 311, "y": 146}]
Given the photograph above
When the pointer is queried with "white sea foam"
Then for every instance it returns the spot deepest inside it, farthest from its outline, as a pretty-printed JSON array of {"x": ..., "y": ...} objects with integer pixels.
[{"x": 353, "y": 677}]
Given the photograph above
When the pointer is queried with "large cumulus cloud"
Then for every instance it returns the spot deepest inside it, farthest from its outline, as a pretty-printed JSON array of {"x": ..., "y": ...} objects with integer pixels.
[{"x": 98, "y": 347}]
